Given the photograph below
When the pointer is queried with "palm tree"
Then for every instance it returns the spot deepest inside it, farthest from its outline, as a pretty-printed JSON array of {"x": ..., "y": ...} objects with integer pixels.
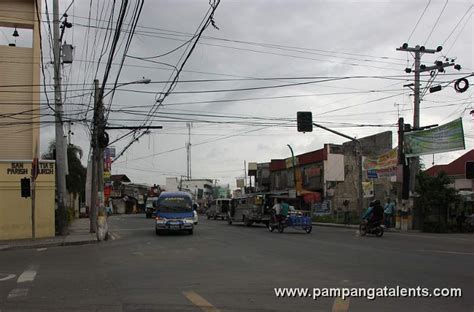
[{"x": 76, "y": 179}]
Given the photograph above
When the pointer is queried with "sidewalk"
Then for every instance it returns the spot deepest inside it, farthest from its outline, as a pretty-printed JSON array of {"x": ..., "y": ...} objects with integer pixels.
[
  {"x": 78, "y": 235},
  {"x": 355, "y": 226}
]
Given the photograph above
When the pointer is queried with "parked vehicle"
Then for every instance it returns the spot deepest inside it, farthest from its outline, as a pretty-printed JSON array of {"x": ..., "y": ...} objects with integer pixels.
[
  {"x": 369, "y": 228},
  {"x": 249, "y": 209},
  {"x": 174, "y": 212},
  {"x": 219, "y": 209}
]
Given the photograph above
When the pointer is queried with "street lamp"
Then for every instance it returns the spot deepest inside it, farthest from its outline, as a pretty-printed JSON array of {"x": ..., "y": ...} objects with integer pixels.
[
  {"x": 141, "y": 81},
  {"x": 99, "y": 142}
]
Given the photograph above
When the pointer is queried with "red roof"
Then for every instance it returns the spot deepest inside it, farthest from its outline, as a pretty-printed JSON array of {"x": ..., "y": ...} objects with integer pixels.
[
  {"x": 312, "y": 157},
  {"x": 303, "y": 159},
  {"x": 456, "y": 167},
  {"x": 277, "y": 164}
]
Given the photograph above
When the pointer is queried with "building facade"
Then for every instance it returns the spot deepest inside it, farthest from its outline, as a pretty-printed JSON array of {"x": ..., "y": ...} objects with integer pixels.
[{"x": 19, "y": 137}]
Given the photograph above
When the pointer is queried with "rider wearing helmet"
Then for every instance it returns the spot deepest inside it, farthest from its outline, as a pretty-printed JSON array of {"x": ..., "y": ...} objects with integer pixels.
[{"x": 374, "y": 213}]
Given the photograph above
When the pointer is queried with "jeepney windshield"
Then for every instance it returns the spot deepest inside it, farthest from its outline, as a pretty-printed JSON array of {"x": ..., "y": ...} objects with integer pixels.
[{"x": 174, "y": 204}]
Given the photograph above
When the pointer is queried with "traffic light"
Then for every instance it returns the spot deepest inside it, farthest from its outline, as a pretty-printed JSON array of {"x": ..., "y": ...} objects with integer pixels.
[
  {"x": 470, "y": 170},
  {"x": 305, "y": 121},
  {"x": 25, "y": 188}
]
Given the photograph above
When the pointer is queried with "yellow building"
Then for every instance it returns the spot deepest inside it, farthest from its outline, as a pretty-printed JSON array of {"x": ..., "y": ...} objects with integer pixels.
[{"x": 19, "y": 128}]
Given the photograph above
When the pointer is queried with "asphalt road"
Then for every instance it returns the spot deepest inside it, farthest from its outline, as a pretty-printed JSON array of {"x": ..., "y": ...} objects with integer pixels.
[{"x": 235, "y": 268}]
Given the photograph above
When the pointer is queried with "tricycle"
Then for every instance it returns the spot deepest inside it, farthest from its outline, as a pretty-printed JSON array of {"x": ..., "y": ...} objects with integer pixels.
[{"x": 295, "y": 220}]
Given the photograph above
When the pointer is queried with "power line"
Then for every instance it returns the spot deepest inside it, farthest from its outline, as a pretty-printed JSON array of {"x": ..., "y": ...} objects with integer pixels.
[
  {"x": 419, "y": 19},
  {"x": 436, "y": 23},
  {"x": 455, "y": 27}
]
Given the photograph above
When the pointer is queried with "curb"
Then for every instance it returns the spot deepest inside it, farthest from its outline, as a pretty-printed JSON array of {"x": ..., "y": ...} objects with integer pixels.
[
  {"x": 344, "y": 226},
  {"x": 45, "y": 245}
]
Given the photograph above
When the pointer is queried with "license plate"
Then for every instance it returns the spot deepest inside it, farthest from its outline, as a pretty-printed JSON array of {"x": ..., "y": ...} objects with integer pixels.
[{"x": 174, "y": 226}]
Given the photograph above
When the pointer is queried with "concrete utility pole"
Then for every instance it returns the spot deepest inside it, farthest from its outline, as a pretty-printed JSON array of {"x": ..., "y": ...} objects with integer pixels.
[
  {"x": 94, "y": 166},
  {"x": 188, "y": 152},
  {"x": 60, "y": 146},
  {"x": 439, "y": 65}
]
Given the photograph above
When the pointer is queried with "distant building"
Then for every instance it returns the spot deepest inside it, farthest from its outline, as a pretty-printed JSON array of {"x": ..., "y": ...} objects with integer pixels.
[
  {"x": 200, "y": 189},
  {"x": 329, "y": 177},
  {"x": 172, "y": 184},
  {"x": 456, "y": 170}
]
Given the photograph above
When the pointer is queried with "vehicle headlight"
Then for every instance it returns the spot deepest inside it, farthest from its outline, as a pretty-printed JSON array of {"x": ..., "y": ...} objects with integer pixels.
[
  {"x": 188, "y": 220},
  {"x": 160, "y": 220}
]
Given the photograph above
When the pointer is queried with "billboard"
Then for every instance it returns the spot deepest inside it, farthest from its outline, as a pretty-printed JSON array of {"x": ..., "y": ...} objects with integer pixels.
[
  {"x": 445, "y": 138},
  {"x": 381, "y": 165}
]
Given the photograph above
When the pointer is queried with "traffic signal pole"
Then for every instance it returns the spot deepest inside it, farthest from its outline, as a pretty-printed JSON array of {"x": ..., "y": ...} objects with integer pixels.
[{"x": 305, "y": 124}]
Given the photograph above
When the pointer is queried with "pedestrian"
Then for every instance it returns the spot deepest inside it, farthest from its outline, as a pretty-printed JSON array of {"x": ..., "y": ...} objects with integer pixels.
[{"x": 388, "y": 211}]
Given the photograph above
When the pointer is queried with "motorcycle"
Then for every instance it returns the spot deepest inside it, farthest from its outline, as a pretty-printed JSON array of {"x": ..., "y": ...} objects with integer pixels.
[
  {"x": 276, "y": 222},
  {"x": 367, "y": 228}
]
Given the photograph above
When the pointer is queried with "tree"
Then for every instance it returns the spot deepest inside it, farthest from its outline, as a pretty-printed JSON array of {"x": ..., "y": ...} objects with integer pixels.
[
  {"x": 435, "y": 197},
  {"x": 76, "y": 179}
]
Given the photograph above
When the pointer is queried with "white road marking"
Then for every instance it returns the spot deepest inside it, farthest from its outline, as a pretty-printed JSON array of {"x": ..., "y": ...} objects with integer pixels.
[
  {"x": 200, "y": 302},
  {"x": 17, "y": 292},
  {"x": 6, "y": 278},
  {"x": 29, "y": 275},
  {"x": 449, "y": 252},
  {"x": 41, "y": 249}
]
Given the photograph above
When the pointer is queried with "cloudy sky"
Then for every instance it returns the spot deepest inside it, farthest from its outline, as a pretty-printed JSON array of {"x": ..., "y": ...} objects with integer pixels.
[{"x": 337, "y": 59}]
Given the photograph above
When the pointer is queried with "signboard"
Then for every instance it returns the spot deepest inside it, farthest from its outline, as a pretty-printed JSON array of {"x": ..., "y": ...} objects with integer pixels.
[
  {"x": 107, "y": 175},
  {"x": 383, "y": 161},
  {"x": 371, "y": 174},
  {"x": 252, "y": 169},
  {"x": 368, "y": 188},
  {"x": 445, "y": 138},
  {"x": 322, "y": 208},
  {"x": 240, "y": 182},
  {"x": 382, "y": 165}
]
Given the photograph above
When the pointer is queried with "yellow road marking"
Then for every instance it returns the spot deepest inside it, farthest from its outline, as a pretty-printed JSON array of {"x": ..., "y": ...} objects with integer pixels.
[
  {"x": 199, "y": 301},
  {"x": 340, "y": 305}
]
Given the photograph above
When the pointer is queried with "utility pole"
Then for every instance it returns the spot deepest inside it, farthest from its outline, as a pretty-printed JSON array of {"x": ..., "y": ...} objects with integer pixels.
[
  {"x": 101, "y": 144},
  {"x": 188, "y": 152},
  {"x": 439, "y": 66},
  {"x": 94, "y": 166},
  {"x": 59, "y": 131},
  {"x": 418, "y": 52}
]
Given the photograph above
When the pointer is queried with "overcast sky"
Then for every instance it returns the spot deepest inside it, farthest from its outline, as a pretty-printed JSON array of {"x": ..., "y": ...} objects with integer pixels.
[{"x": 282, "y": 40}]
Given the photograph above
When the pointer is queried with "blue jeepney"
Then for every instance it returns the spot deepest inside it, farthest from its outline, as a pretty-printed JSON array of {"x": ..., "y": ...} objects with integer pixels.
[{"x": 174, "y": 212}]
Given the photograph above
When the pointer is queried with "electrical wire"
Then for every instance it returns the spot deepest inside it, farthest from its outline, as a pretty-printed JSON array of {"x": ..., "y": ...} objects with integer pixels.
[
  {"x": 419, "y": 19},
  {"x": 437, "y": 20}
]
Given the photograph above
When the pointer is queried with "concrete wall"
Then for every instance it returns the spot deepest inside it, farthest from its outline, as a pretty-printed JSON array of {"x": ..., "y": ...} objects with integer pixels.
[
  {"x": 19, "y": 66},
  {"x": 349, "y": 189},
  {"x": 15, "y": 211},
  {"x": 19, "y": 139},
  {"x": 463, "y": 184}
]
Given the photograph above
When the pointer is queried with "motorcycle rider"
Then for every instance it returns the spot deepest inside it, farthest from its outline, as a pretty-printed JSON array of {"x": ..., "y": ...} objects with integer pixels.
[{"x": 374, "y": 214}]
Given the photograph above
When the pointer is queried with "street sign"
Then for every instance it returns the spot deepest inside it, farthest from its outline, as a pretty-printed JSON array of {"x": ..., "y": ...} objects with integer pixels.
[{"x": 372, "y": 174}]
